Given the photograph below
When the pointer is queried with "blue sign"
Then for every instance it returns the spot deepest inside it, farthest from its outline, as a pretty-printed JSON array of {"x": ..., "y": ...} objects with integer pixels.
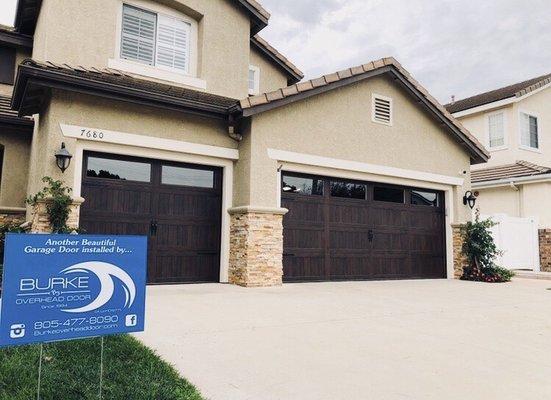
[{"x": 60, "y": 287}]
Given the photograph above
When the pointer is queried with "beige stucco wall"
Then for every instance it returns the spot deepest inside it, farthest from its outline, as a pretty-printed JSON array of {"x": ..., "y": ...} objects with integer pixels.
[
  {"x": 529, "y": 200},
  {"x": 98, "y": 113},
  {"x": 271, "y": 77},
  {"x": 338, "y": 125},
  {"x": 20, "y": 55},
  {"x": 17, "y": 146},
  {"x": 83, "y": 32},
  {"x": 538, "y": 104}
]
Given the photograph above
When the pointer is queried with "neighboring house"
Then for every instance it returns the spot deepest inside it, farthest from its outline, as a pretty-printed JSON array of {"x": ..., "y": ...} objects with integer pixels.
[
  {"x": 514, "y": 124},
  {"x": 187, "y": 127}
]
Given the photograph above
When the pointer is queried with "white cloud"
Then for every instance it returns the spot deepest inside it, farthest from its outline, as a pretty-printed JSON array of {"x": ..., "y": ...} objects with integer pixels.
[
  {"x": 7, "y": 12},
  {"x": 459, "y": 47}
]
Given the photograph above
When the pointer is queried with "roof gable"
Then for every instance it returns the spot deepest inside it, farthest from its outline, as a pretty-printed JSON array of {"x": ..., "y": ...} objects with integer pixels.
[
  {"x": 268, "y": 101},
  {"x": 516, "y": 90}
]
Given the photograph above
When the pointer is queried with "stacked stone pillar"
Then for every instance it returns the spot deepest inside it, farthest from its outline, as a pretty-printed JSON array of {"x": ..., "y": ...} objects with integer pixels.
[
  {"x": 40, "y": 222},
  {"x": 459, "y": 260},
  {"x": 256, "y": 246},
  {"x": 545, "y": 249}
]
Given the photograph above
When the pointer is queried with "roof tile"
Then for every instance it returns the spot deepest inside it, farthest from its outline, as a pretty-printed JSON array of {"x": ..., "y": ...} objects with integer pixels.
[{"x": 519, "y": 169}]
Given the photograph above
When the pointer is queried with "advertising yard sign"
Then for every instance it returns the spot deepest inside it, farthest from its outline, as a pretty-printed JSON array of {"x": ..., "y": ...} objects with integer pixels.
[{"x": 61, "y": 287}]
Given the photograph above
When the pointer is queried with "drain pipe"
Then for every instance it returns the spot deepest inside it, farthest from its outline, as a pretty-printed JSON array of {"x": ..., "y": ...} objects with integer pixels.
[
  {"x": 233, "y": 125},
  {"x": 513, "y": 186}
]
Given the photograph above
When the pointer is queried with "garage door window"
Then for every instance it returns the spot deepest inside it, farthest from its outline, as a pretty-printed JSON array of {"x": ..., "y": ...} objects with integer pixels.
[
  {"x": 187, "y": 177},
  {"x": 387, "y": 194},
  {"x": 424, "y": 198},
  {"x": 107, "y": 168},
  {"x": 348, "y": 190},
  {"x": 300, "y": 185}
]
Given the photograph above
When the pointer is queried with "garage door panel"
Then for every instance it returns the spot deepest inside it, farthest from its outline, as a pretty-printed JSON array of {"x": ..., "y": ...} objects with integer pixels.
[
  {"x": 359, "y": 237},
  {"x": 178, "y": 206}
]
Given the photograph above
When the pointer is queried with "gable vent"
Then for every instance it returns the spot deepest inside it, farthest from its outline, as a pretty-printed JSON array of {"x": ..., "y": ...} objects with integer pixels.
[{"x": 382, "y": 110}]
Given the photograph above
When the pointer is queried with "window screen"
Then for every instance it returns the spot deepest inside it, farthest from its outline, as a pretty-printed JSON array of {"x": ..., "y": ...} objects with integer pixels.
[{"x": 529, "y": 131}]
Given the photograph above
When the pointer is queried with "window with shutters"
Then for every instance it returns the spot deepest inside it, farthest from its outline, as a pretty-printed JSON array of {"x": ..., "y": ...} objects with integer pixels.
[
  {"x": 496, "y": 130},
  {"x": 381, "y": 110},
  {"x": 529, "y": 131},
  {"x": 254, "y": 80},
  {"x": 155, "y": 39}
]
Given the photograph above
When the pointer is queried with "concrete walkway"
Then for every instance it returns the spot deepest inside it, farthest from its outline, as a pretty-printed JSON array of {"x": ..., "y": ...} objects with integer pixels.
[{"x": 359, "y": 340}]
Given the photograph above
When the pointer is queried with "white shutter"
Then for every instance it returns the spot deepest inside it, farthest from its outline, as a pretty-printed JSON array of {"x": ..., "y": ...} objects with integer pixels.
[
  {"x": 138, "y": 35},
  {"x": 173, "y": 43},
  {"x": 496, "y": 129},
  {"x": 382, "y": 110}
]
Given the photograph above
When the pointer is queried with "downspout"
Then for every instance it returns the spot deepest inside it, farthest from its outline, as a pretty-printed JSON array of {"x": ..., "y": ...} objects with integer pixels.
[
  {"x": 233, "y": 128},
  {"x": 520, "y": 209}
]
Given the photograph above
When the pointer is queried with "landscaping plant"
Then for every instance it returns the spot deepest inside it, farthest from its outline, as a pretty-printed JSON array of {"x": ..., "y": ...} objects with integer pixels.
[
  {"x": 481, "y": 251},
  {"x": 59, "y": 201}
]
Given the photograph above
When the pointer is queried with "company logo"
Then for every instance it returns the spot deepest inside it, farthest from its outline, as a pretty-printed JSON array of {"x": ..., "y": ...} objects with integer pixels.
[
  {"x": 105, "y": 273},
  {"x": 17, "y": 331}
]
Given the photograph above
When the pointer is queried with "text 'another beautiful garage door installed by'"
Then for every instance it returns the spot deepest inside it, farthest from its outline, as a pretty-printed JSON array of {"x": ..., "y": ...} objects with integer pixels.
[
  {"x": 343, "y": 230},
  {"x": 178, "y": 206}
]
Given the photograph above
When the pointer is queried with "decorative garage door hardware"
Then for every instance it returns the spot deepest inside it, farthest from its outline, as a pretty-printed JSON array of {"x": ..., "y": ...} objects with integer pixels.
[
  {"x": 179, "y": 206},
  {"x": 345, "y": 230}
]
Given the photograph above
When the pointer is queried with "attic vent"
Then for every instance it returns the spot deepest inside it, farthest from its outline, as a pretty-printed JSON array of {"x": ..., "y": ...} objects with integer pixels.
[{"x": 382, "y": 109}]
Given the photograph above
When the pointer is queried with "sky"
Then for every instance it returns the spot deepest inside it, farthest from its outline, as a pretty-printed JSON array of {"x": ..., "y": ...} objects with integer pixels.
[{"x": 452, "y": 47}]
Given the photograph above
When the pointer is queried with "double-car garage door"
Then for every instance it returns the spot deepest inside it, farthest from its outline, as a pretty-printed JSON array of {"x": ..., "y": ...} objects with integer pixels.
[{"x": 346, "y": 230}]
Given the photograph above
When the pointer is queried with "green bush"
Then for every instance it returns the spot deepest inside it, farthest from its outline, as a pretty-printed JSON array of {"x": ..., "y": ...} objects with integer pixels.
[{"x": 480, "y": 250}]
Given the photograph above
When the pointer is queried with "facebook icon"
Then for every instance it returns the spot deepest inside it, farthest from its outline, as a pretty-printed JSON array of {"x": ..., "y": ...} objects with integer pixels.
[{"x": 131, "y": 320}]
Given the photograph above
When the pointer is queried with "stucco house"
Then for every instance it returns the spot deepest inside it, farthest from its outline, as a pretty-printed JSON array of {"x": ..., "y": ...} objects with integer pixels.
[
  {"x": 186, "y": 126},
  {"x": 512, "y": 122}
]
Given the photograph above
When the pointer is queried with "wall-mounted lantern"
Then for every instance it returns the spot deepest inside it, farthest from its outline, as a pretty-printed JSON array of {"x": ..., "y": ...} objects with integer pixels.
[
  {"x": 469, "y": 199},
  {"x": 63, "y": 158}
]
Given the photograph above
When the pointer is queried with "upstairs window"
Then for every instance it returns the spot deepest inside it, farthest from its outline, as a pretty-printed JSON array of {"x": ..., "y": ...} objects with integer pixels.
[
  {"x": 382, "y": 110},
  {"x": 529, "y": 131},
  {"x": 254, "y": 80},
  {"x": 156, "y": 39},
  {"x": 496, "y": 130}
]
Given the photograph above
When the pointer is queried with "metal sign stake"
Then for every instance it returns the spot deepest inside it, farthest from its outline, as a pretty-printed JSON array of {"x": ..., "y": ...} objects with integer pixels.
[
  {"x": 101, "y": 371},
  {"x": 39, "y": 372}
]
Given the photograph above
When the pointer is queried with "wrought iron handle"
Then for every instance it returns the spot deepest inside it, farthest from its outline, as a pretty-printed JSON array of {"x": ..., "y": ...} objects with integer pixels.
[
  {"x": 370, "y": 235},
  {"x": 153, "y": 228}
]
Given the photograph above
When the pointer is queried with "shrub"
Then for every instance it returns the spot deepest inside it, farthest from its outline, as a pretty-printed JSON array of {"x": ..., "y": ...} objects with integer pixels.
[
  {"x": 59, "y": 201},
  {"x": 480, "y": 250}
]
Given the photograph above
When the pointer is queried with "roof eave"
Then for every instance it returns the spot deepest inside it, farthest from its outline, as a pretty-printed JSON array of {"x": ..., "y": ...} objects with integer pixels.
[
  {"x": 16, "y": 39},
  {"x": 294, "y": 77},
  {"x": 31, "y": 82},
  {"x": 513, "y": 180}
]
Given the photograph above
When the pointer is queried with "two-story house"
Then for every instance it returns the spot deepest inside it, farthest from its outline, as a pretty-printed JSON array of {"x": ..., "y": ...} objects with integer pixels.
[
  {"x": 513, "y": 123},
  {"x": 185, "y": 126}
]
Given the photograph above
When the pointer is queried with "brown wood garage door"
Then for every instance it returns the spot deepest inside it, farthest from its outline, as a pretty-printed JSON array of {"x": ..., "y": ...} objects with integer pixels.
[
  {"x": 178, "y": 206},
  {"x": 345, "y": 230}
]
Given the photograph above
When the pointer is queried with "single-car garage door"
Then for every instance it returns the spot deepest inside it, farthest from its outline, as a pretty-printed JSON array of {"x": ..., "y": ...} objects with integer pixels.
[
  {"x": 344, "y": 230},
  {"x": 177, "y": 205}
]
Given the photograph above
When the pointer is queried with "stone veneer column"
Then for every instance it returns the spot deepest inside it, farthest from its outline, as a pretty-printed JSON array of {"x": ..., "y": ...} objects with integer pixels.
[
  {"x": 545, "y": 249},
  {"x": 256, "y": 246},
  {"x": 41, "y": 220},
  {"x": 459, "y": 260},
  {"x": 13, "y": 216}
]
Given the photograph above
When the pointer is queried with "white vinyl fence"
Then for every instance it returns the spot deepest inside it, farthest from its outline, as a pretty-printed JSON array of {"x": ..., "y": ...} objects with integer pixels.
[{"x": 518, "y": 239}]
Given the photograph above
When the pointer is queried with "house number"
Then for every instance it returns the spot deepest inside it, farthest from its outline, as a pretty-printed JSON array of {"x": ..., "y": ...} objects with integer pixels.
[{"x": 89, "y": 134}]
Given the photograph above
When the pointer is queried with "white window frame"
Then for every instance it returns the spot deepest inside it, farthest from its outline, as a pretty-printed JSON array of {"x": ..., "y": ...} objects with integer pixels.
[
  {"x": 505, "y": 139},
  {"x": 522, "y": 146},
  {"x": 256, "y": 89},
  {"x": 389, "y": 99},
  {"x": 158, "y": 71}
]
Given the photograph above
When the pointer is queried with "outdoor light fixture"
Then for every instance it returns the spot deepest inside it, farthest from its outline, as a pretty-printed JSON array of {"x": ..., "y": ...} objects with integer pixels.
[
  {"x": 469, "y": 199},
  {"x": 63, "y": 158}
]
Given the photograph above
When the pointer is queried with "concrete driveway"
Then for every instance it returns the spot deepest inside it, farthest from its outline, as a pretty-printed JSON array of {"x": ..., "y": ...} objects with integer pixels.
[{"x": 357, "y": 340}]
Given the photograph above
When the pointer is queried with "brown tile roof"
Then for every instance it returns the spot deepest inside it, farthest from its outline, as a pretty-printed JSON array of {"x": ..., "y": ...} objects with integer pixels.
[
  {"x": 280, "y": 58},
  {"x": 517, "y": 170},
  {"x": 515, "y": 90},
  {"x": 121, "y": 78},
  {"x": 340, "y": 78},
  {"x": 7, "y": 115}
]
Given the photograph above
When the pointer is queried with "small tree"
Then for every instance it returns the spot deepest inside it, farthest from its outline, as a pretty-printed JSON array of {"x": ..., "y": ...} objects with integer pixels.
[{"x": 481, "y": 251}]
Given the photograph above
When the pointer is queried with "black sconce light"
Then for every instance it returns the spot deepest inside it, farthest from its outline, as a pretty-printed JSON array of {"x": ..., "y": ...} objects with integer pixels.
[
  {"x": 469, "y": 199},
  {"x": 63, "y": 158}
]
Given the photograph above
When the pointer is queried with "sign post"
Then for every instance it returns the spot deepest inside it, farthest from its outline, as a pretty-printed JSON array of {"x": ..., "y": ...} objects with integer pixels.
[{"x": 62, "y": 287}]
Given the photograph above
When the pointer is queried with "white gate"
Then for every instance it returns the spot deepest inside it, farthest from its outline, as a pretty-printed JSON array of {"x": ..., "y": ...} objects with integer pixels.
[{"x": 518, "y": 239}]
